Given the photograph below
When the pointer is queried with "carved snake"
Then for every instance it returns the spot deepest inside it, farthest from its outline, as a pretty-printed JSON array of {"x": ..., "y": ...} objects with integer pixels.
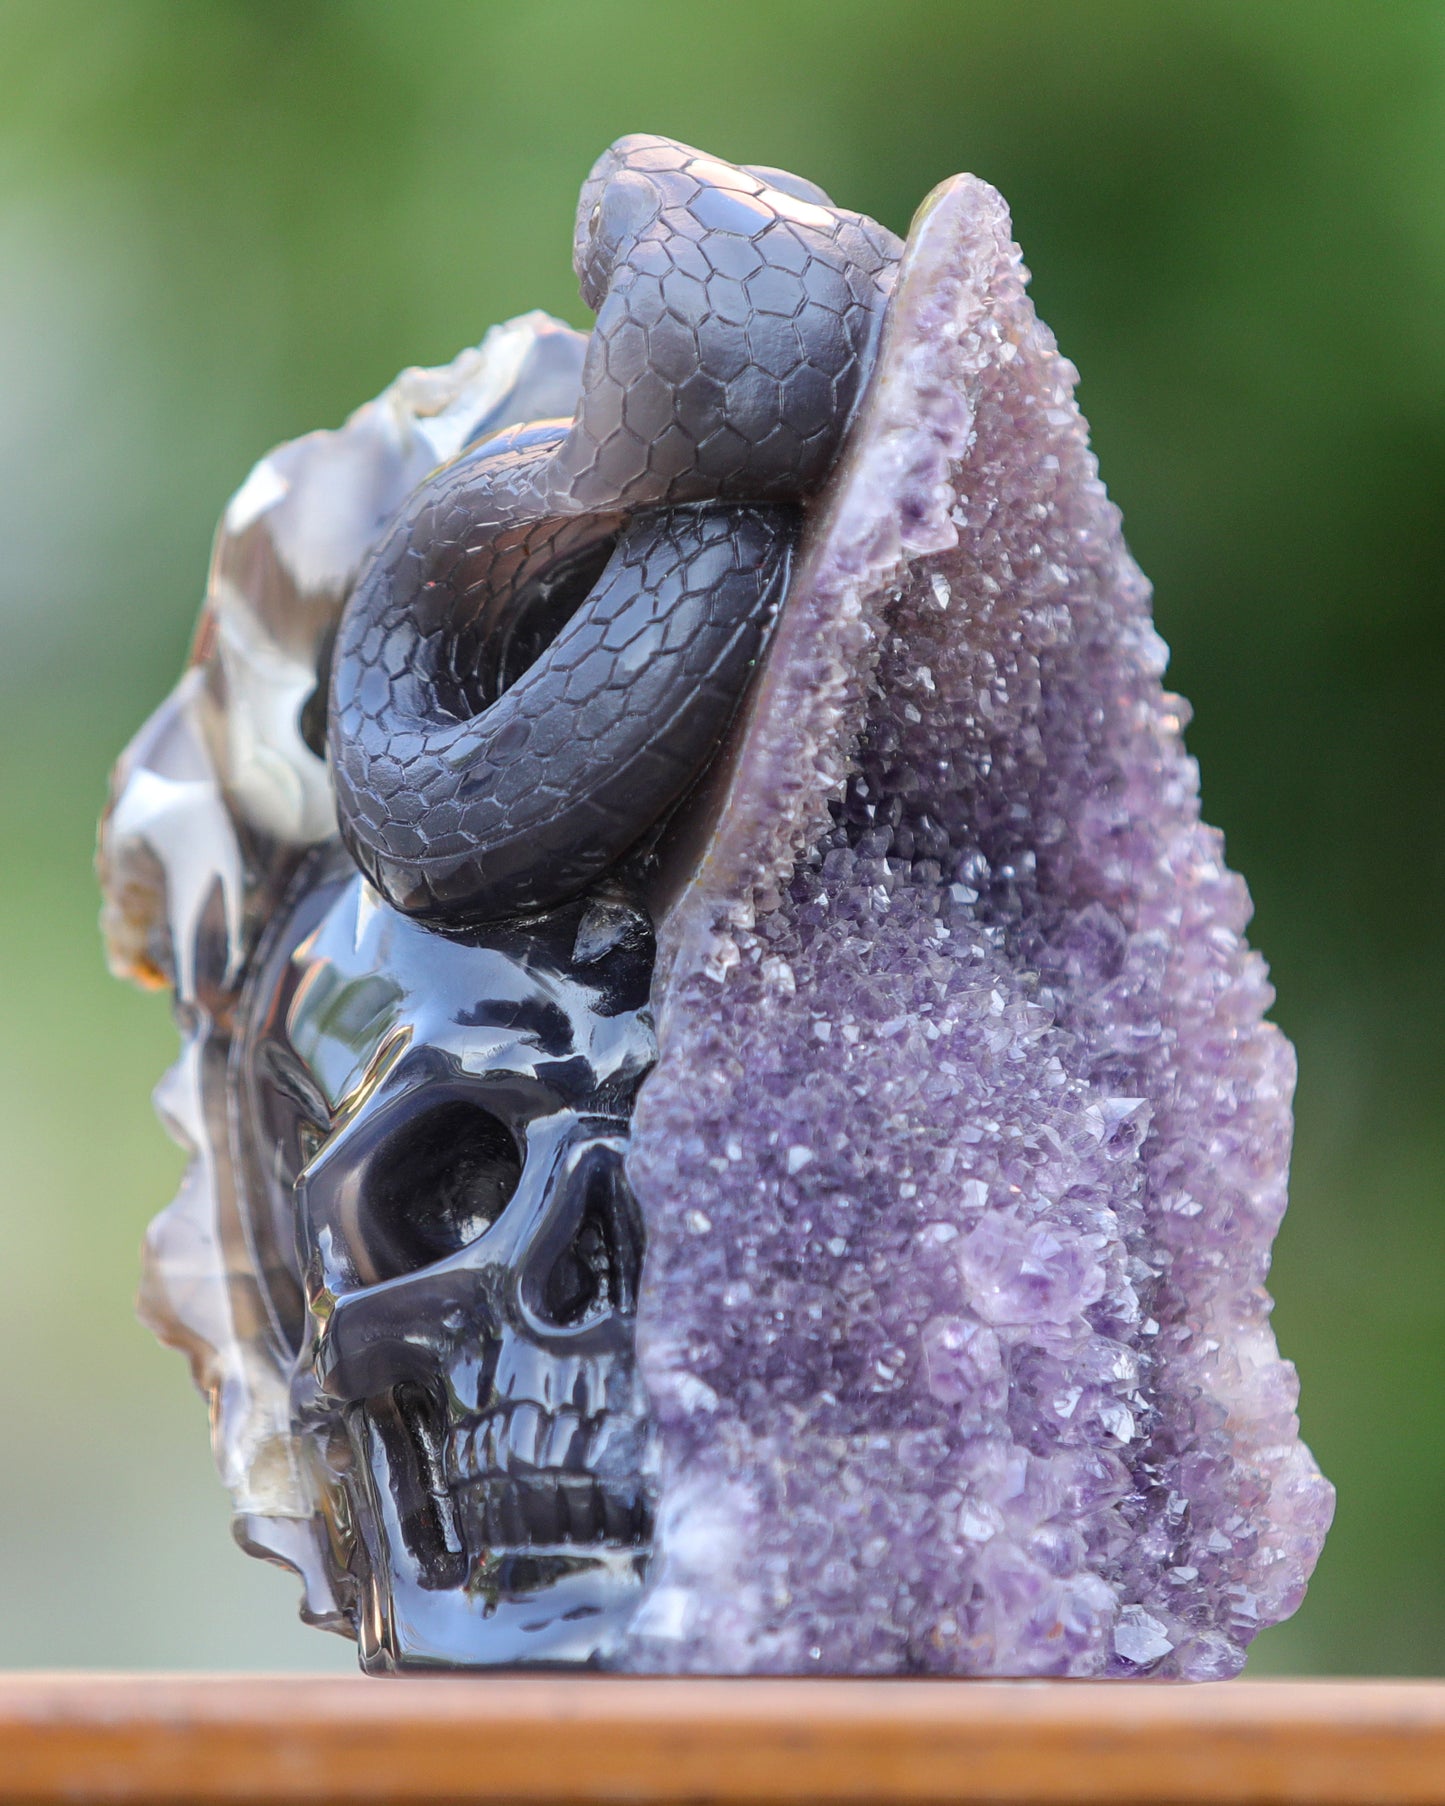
[{"x": 547, "y": 645}]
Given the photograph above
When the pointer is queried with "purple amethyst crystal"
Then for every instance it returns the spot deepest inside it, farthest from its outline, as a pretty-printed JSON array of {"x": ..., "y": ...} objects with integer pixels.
[{"x": 969, "y": 1139}]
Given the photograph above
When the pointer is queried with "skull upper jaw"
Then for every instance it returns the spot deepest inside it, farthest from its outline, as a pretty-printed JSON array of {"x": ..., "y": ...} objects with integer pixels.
[{"x": 433, "y": 1593}]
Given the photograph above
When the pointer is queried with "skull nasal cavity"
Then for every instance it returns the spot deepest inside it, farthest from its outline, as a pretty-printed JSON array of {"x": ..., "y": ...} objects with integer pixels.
[
  {"x": 438, "y": 1183},
  {"x": 596, "y": 1274}
]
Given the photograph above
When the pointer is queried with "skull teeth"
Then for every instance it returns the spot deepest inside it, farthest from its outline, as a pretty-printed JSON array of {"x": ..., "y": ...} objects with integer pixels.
[
  {"x": 551, "y": 1509},
  {"x": 524, "y": 1477},
  {"x": 524, "y": 1440},
  {"x": 526, "y": 1432}
]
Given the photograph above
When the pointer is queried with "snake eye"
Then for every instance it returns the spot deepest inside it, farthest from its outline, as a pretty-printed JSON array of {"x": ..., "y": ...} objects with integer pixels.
[{"x": 595, "y": 220}]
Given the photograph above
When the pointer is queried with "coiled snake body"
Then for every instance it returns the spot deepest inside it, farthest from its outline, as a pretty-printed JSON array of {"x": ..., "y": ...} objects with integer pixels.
[{"x": 545, "y": 649}]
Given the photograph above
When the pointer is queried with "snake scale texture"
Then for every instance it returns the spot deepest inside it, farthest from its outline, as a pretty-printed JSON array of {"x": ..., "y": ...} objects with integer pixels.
[{"x": 548, "y": 644}]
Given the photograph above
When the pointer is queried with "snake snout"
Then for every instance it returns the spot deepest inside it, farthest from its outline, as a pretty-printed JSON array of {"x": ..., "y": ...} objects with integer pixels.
[{"x": 608, "y": 227}]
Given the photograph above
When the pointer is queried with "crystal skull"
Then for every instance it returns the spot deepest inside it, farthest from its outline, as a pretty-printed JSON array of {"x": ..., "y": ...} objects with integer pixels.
[{"x": 435, "y": 1127}]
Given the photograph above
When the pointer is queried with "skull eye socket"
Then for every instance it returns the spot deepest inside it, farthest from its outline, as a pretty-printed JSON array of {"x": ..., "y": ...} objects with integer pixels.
[{"x": 441, "y": 1182}]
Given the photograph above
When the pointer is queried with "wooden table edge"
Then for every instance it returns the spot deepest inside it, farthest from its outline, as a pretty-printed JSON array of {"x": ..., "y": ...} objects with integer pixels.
[{"x": 555, "y": 1741}]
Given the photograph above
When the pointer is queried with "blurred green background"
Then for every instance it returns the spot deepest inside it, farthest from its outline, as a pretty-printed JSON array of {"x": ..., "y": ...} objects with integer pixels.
[{"x": 223, "y": 222}]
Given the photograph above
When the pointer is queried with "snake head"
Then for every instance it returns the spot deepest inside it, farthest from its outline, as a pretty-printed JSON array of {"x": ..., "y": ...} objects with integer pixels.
[
  {"x": 620, "y": 199},
  {"x": 638, "y": 176}
]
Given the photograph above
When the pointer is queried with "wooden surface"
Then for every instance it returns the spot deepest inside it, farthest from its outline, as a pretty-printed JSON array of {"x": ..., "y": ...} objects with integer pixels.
[{"x": 262, "y": 1739}]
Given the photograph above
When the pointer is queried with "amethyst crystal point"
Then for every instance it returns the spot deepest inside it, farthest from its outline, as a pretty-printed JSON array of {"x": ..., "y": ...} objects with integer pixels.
[{"x": 969, "y": 1139}]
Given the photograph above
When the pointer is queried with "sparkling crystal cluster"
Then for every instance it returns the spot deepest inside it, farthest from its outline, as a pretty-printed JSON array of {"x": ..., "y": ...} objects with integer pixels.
[{"x": 969, "y": 1139}]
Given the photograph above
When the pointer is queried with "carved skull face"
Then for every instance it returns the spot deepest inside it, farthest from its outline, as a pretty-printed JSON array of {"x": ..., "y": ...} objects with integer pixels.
[{"x": 436, "y": 1125}]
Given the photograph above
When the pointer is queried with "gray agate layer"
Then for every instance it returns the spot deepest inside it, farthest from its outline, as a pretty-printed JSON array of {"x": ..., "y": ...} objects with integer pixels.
[{"x": 967, "y": 1140}]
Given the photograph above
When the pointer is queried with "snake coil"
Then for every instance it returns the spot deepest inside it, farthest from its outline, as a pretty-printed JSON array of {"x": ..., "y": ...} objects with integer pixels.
[{"x": 546, "y": 647}]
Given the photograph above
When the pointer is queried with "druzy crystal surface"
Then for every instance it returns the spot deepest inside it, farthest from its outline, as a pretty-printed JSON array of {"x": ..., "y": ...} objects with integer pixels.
[{"x": 969, "y": 1139}]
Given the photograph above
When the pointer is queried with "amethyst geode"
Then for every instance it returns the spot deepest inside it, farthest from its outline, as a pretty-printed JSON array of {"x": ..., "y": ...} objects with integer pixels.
[{"x": 967, "y": 1139}]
